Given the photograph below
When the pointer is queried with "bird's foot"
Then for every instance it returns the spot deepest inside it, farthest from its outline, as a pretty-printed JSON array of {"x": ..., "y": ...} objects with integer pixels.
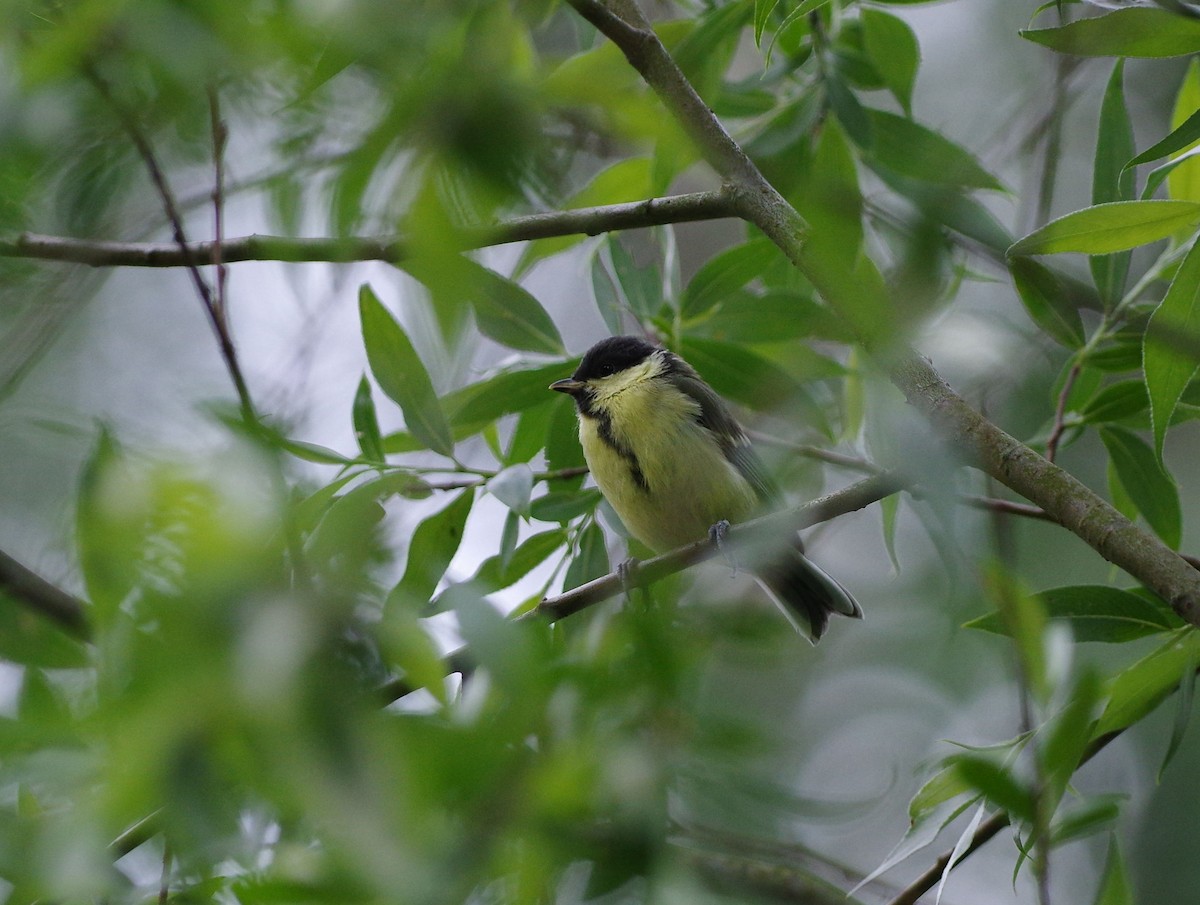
[
  {"x": 627, "y": 573},
  {"x": 718, "y": 534}
]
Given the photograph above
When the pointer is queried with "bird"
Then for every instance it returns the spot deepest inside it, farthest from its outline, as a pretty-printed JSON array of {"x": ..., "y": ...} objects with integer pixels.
[{"x": 676, "y": 466}]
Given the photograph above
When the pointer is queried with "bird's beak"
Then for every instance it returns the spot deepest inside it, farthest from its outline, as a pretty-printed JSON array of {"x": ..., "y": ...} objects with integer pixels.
[{"x": 568, "y": 385}]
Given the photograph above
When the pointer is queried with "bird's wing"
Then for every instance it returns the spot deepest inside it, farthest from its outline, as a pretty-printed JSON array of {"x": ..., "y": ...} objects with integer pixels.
[{"x": 716, "y": 417}]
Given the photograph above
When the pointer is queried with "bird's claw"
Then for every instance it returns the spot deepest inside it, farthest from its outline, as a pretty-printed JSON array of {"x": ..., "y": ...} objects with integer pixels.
[
  {"x": 627, "y": 573},
  {"x": 718, "y": 534}
]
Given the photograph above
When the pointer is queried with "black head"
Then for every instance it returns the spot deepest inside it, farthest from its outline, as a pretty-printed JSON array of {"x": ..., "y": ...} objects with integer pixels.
[{"x": 613, "y": 355}]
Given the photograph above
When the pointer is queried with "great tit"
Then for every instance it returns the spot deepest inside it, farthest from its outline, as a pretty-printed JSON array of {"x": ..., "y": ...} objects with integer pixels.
[{"x": 671, "y": 459}]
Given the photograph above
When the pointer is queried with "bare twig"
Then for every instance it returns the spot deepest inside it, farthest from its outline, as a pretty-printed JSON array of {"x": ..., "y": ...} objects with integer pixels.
[
  {"x": 140, "y": 141},
  {"x": 31, "y": 590},
  {"x": 1060, "y": 413},
  {"x": 220, "y": 135}
]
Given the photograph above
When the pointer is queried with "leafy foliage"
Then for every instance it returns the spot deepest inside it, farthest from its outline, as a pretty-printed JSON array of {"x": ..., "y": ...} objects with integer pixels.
[{"x": 302, "y": 682}]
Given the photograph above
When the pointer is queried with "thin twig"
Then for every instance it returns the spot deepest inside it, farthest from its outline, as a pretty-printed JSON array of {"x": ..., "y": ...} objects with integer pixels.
[
  {"x": 220, "y": 136},
  {"x": 30, "y": 589},
  {"x": 142, "y": 143},
  {"x": 1060, "y": 412},
  {"x": 587, "y": 221}
]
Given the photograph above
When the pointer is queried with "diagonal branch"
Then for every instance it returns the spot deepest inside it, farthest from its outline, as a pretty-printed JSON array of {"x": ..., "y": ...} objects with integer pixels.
[
  {"x": 1068, "y": 501},
  {"x": 30, "y": 589},
  {"x": 588, "y": 221}
]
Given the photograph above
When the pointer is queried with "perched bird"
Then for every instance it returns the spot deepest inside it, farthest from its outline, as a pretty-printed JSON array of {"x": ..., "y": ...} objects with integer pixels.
[{"x": 670, "y": 458}]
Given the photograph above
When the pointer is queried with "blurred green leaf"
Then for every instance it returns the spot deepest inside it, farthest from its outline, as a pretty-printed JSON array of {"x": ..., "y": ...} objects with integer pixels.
[
  {"x": 1095, "y": 613},
  {"x": 1168, "y": 367},
  {"x": 1112, "y": 181},
  {"x": 1115, "y": 888},
  {"x": 1047, "y": 301},
  {"x": 1092, "y": 815},
  {"x": 401, "y": 375},
  {"x": 1151, "y": 489},
  {"x": 642, "y": 285},
  {"x": 366, "y": 422},
  {"x": 1183, "y": 714},
  {"x": 912, "y": 150},
  {"x": 31, "y": 640},
  {"x": 434, "y": 542},
  {"x": 604, "y": 291},
  {"x": 1111, "y": 227},
  {"x": 998, "y": 784},
  {"x": 1066, "y": 737},
  {"x": 494, "y": 573},
  {"x": 895, "y": 52},
  {"x": 1134, "y": 32},
  {"x": 945, "y": 785},
  {"x": 1140, "y": 688}
]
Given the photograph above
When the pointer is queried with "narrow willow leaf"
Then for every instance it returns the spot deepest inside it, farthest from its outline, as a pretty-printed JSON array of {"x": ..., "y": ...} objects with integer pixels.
[
  {"x": 604, "y": 291},
  {"x": 998, "y": 785},
  {"x": 1182, "y": 136},
  {"x": 725, "y": 273},
  {"x": 1150, "y": 488},
  {"x": 409, "y": 646},
  {"x": 1183, "y": 713},
  {"x": 495, "y": 573},
  {"x": 563, "y": 505},
  {"x": 894, "y": 50},
  {"x": 1143, "y": 686},
  {"x": 762, "y": 12},
  {"x": 945, "y": 785},
  {"x": 912, "y": 150},
  {"x": 1095, "y": 613},
  {"x": 850, "y": 113},
  {"x": 1115, "y": 888},
  {"x": 508, "y": 313},
  {"x": 366, "y": 422},
  {"x": 1115, "y": 402},
  {"x": 1066, "y": 737},
  {"x": 1169, "y": 354},
  {"x": 1047, "y": 301},
  {"x": 920, "y": 834},
  {"x": 1183, "y": 182},
  {"x": 591, "y": 561},
  {"x": 1094, "y": 814},
  {"x": 960, "y": 849},
  {"x": 1105, "y": 228},
  {"x": 642, "y": 285},
  {"x": 504, "y": 393},
  {"x": 1112, "y": 181},
  {"x": 433, "y": 545},
  {"x": 401, "y": 374},
  {"x": 1134, "y": 32},
  {"x": 889, "y": 513}
]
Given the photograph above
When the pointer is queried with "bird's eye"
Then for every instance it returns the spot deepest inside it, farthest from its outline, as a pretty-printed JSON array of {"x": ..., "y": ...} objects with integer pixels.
[{"x": 607, "y": 370}]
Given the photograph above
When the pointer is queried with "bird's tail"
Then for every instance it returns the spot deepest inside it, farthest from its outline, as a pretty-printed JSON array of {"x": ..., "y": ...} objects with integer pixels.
[{"x": 806, "y": 593}]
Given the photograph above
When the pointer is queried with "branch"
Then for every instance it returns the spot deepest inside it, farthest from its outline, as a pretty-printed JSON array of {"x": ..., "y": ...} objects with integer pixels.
[
  {"x": 856, "y": 496},
  {"x": 589, "y": 221},
  {"x": 30, "y": 589},
  {"x": 1068, "y": 501}
]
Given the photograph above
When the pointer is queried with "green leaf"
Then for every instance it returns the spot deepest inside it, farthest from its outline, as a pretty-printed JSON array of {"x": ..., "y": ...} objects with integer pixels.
[
  {"x": 562, "y": 441},
  {"x": 853, "y": 117},
  {"x": 748, "y": 378},
  {"x": 591, "y": 561},
  {"x": 828, "y": 196},
  {"x": 507, "y": 312},
  {"x": 513, "y": 487},
  {"x": 1105, "y": 228},
  {"x": 894, "y": 50},
  {"x": 1115, "y": 888},
  {"x": 726, "y": 272},
  {"x": 529, "y": 435},
  {"x": 563, "y": 505},
  {"x": 1094, "y": 814},
  {"x": 998, "y": 785},
  {"x": 495, "y": 573},
  {"x": 642, "y": 285},
  {"x": 1066, "y": 737},
  {"x": 1135, "y": 32},
  {"x": 607, "y": 298},
  {"x": 433, "y": 545},
  {"x": 1182, "y": 136},
  {"x": 1095, "y": 613},
  {"x": 504, "y": 393},
  {"x": 1047, "y": 301},
  {"x": 1138, "y": 690},
  {"x": 31, "y": 640},
  {"x": 401, "y": 375},
  {"x": 1169, "y": 357},
  {"x": 912, "y": 150},
  {"x": 1150, "y": 488},
  {"x": 1183, "y": 182},
  {"x": 366, "y": 423},
  {"x": 1112, "y": 181},
  {"x": 1116, "y": 402},
  {"x": 408, "y": 645},
  {"x": 947, "y": 784},
  {"x": 1183, "y": 714},
  {"x": 762, "y": 11}
]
